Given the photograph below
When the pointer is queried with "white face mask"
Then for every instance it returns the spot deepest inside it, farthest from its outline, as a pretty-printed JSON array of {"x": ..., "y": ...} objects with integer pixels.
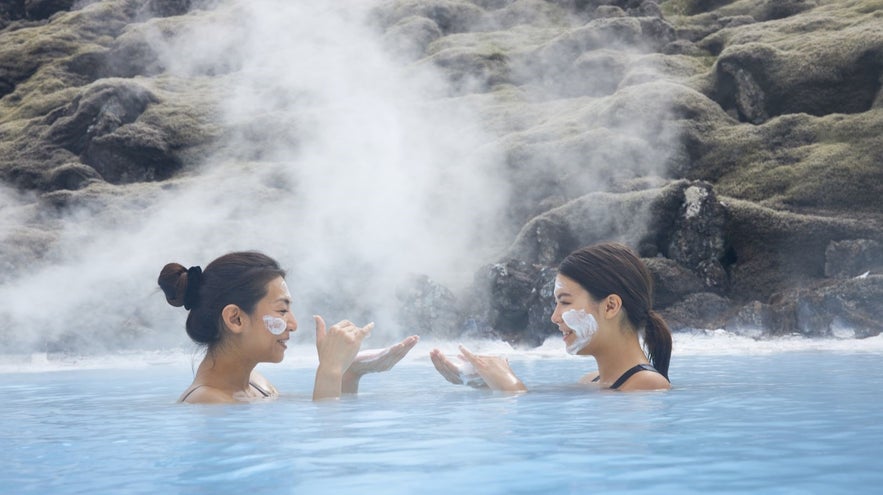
[
  {"x": 275, "y": 325},
  {"x": 584, "y": 327}
]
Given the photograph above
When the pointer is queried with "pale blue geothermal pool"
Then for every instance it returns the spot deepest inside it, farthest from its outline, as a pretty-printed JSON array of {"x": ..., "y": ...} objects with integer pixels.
[{"x": 776, "y": 421}]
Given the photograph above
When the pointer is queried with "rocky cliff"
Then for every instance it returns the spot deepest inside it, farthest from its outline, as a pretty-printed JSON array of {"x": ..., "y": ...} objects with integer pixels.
[{"x": 737, "y": 145}]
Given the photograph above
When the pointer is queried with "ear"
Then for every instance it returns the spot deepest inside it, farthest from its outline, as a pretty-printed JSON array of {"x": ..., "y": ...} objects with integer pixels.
[
  {"x": 233, "y": 318},
  {"x": 611, "y": 306}
]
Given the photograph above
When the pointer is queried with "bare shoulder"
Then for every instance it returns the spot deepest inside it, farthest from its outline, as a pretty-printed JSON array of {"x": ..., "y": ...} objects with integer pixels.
[
  {"x": 204, "y": 394},
  {"x": 261, "y": 381},
  {"x": 646, "y": 380},
  {"x": 588, "y": 378}
]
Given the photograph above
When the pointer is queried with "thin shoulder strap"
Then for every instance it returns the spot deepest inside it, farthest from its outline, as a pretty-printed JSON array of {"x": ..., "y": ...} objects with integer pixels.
[
  {"x": 188, "y": 393},
  {"x": 259, "y": 389},
  {"x": 628, "y": 374}
]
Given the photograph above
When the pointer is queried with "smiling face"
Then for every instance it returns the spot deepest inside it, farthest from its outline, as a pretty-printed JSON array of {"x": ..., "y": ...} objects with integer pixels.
[
  {"x": 574, "y": 314},
  {"x": 275, "y": 308}
]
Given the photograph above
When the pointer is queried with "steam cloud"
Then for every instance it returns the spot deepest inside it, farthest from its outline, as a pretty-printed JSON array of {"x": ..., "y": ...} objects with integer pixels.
[
  {"x": 351, "y": 167},
  {"x": 350, "y": 170}
]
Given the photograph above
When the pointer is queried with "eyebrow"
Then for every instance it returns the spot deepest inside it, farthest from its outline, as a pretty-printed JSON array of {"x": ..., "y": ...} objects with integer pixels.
[
  {"x": 283, "y": 299},
  {"x": 562, "y": 294}
]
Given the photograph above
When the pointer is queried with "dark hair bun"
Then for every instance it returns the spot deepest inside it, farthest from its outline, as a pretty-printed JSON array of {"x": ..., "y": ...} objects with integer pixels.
[{"x": 173, "y": 282}]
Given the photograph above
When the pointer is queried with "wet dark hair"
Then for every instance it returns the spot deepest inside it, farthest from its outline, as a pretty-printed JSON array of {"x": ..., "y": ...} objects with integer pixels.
[
  {"x": 239, "y": 278},
  {"x": 611, "y": 268}
]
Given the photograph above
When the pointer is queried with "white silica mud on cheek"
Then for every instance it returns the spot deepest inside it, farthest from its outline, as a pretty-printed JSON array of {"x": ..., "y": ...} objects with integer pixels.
[
  {"x": 274, "y": 325},
  {"x": 584, "y": 327}
]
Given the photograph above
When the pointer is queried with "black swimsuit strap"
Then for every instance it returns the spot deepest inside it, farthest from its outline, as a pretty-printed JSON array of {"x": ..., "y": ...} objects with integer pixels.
[
  {"x": 628, "y": 374},
  {"x": 188, "y": 393},
  {"x": 259, "y": 389},
  {"x": 631, "y": 371}
]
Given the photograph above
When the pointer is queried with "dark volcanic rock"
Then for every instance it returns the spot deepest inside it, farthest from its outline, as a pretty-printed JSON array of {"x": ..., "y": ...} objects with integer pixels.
[
  {"x": 736, "y": 145},
  {"x": 697, "y": 236},
  {"x": 845, "y": 309},
  {"x": 519, "y": 301},
  {"x": 42, "y": 9},
  {"x": 166, "y": 8},
  {"x": 700, "y": 310},
  {"x": 428, "y": 308},
  {"x": 99, "y": 126},
  {"x": 851, "y": 258},
  {"x": 71, "y": 176},
  {"x": 760, "y": 82},
  {"x": 672, "y": 281},
  {"x": 99, "y": 111}
]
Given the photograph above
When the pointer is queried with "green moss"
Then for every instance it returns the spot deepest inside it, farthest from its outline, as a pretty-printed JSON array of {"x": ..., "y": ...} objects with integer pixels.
[
  {"x": 519, "y": 39},
  {"x": 48, "y": 89},
  {"x": 874, "y": 7},
  {"x": 839, "y": 176},
  {"x": 692, "y": 7}
]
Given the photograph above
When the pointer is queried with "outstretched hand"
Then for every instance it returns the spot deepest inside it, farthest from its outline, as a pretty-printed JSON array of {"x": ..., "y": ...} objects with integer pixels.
[
  {"x": 477, "y": 371},
  {"x": 457, "y": 373},
  {"x": 376, "y": 360},
  {"x": 495, "y": 371}
]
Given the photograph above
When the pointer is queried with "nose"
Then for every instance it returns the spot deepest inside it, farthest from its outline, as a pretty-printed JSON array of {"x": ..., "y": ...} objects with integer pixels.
[
  {"x": 556, "y": 316},
  {"x": 293, "y": 323}
]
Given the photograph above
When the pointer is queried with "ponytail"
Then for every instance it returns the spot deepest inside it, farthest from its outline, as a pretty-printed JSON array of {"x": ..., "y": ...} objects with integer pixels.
[{"x": 657, "y": 339}]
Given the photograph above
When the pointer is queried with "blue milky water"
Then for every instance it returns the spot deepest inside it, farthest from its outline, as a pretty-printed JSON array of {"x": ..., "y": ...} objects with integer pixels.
[{"x": 798, "y": 422}]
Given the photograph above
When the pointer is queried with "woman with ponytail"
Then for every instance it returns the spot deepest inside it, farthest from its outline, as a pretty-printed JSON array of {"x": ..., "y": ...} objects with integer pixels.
[
  {"x": 604, "y": 301},
  {"x": 240, "y": 310}
]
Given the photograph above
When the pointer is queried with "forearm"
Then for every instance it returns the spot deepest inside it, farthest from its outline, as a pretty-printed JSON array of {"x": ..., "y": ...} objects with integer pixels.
[
  {"x": 350, "y": 382},
  {"x": 516, "y": 386},
  {"x": 328, "y": 383},
  {"x": 506, "y": 383}
]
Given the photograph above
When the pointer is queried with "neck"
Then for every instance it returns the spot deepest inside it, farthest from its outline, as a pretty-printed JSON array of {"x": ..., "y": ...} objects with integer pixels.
[
  {"x": 618, "y": 355},
  {"x": 225, "y": 371}
]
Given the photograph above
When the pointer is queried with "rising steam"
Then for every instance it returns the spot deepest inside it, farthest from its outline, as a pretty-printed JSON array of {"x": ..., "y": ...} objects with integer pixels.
[{"x": 349, "y": 170}]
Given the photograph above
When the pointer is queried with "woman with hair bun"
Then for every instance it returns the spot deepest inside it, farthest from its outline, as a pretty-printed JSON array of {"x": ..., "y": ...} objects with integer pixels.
[
  {"x": 604, "y": 304},
  {"x": 240, "y": 309}
]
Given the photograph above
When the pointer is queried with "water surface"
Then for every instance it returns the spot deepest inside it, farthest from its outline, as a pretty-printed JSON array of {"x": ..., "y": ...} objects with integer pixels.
[{"x": 778, "y": 422}]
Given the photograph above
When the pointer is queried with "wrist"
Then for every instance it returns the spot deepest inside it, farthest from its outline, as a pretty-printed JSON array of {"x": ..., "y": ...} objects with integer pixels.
[
  {"x": 328, "y": 383},
  {"x": 329, "y": 371}
]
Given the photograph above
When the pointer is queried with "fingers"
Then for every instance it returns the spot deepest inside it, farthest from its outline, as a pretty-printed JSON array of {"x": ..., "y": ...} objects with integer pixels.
[
  {"x": 439, "y": 360},
  {"x": 320, "y": 328},
  {"x": 366, "y": 330},
  {"x": 467, "y": 354},
  {"x": 348, "y": 326},
  {"x": 398, "y": 351},
  {"x": 407, "y": 344},
  {"x": 445, "y": 367}
]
